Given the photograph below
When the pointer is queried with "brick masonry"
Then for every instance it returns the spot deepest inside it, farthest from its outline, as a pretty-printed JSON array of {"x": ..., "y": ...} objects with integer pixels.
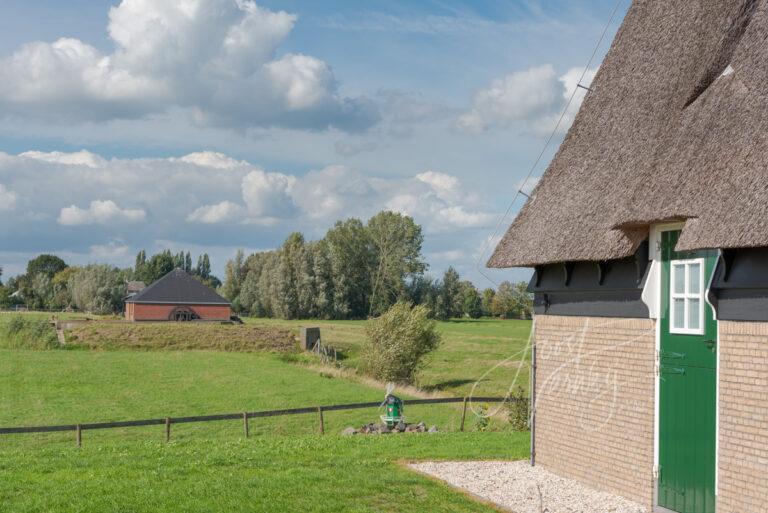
[
  {"x": 161, "y": 312},
  {"x": 595, "y": 402},
  {"x": 743, "y": 461}
]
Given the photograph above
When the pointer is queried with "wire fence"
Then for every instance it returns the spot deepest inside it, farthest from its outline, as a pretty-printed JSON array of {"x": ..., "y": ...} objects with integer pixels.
[{"x": 244, "y": 417}]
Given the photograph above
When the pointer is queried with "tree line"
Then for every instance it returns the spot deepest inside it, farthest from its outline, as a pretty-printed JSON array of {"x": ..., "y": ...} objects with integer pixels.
[
  {"x": 49, "y": 283},
  {"x": 357, "y": 270}
]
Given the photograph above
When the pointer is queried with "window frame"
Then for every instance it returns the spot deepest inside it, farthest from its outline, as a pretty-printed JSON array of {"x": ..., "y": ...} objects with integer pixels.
[{"x": 687, "y": 296}]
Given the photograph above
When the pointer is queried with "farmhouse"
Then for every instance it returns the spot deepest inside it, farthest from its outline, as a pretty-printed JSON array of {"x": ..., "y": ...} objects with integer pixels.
[
  {"x": 177, "y": 296},
  {"x": 648, "y": 234}
]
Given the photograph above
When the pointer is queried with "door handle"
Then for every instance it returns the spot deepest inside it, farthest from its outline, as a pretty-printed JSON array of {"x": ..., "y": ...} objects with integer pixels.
[{"x": 710, "y": 344}]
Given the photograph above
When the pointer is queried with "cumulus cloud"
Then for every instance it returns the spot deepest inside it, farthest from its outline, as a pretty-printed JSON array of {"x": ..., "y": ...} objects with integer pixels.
[
  {"x": 99, "y": 212},
  {"x": 80, "y": 158},
  {"x": 212, "y": 159},
  {"x": 268, "y": 195},
  {"x": 446, "y": 187},
  {"x": 116, "y": 250},
  {"x": 532, "y": 99},
  {"x": 226, "y": 211},
  {"x": 208, "y": 199},
  {"x": 7, "y": 198},
  {"x": 215, "y": 58}
]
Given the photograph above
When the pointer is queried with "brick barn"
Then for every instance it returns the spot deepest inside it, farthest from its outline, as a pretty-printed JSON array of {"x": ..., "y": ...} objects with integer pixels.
[
  {"x": 648, "y": 234},
  {"x": 177, "y": 296}
]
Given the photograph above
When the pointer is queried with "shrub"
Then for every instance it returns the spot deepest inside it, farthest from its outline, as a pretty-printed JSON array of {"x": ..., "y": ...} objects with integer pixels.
[
  {"x": 482, "y": 418},
  {"x": 397, "y": 343},
  {"x": 518, "y": 410},
  {"x": 27, "y": 333}
]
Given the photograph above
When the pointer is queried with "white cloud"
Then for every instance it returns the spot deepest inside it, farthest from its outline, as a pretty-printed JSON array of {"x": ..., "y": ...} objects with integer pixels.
[
  {"x": 268, "y": 195},
  {"x": 446, "y": 187},
  {"x": 7, "y": 199},
  {"x": 226, "y": 211},
  {"x": 78, "y": 158},
  {"x": 113, "y": 251},
  {"x": 330, "y": 192},
  {"x": 99, "y": 212},
  {"x": 215, "y": 58},
  {"x": 533, "y": 99},
  {"x": 210, "y": 200},
  {"x": 212, "y": 159}
]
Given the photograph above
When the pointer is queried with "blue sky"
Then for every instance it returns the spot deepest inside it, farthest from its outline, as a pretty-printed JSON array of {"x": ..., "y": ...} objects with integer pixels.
[{"x": 222, "y": 124}]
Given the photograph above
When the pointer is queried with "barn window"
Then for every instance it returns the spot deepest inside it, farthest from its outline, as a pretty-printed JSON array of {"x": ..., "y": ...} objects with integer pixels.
[{"x": 687, "y": 297}]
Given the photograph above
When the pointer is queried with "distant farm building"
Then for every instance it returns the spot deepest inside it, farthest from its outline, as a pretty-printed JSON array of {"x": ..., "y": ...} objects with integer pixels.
[
  {"x": 177, "y": 296},
  {"x": 134, "y": 287}
]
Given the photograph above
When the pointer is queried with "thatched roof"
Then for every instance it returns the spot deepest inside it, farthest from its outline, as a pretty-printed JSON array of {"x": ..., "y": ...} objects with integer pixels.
[{"x": 675, "y": 128}]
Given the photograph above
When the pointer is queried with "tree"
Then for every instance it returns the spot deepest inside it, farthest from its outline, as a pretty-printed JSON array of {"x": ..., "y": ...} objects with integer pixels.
[
  {"x": 48, "y": 265},
  {"x": 472, "y": 303},
  {"x": 98, "y": 288},
  {"x": 449, "y": 300},
  {"x": 488, "y": 295},
  {"x": 234, "y": 274},
  {"x": 397, "y": 242},
  {"x": 397, "y": 343},
  {"x": 352, "y": 262},
  {"x": 203, "y": 266},
  {"x": 504, "y": 301}
]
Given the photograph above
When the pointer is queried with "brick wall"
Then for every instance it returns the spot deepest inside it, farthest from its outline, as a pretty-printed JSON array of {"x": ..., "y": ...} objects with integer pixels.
[
  {"x": 743, "y": 462},
  {"x": 149, "y": 312},
  {"x": 595, "y": 402}
]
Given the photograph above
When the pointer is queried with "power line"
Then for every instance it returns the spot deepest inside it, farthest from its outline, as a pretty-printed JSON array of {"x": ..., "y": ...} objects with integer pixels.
[{"x": 520, "y": 192}]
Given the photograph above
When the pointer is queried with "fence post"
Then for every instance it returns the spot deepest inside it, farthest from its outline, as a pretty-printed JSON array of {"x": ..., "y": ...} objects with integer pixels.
[
  {"x": 167, "y": 429},
  {"x": 245, "y": 424},
  {"x": 322, "y": 423},
  {"x": 463, "y": 415},
  {"x": 79, "y": 435}
]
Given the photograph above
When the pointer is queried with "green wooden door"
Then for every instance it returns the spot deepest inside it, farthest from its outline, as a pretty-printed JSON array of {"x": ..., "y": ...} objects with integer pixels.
[{"x": 688, "y": 367}]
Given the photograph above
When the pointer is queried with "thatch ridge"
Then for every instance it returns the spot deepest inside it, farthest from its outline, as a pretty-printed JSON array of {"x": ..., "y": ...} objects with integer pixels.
[{"x": 664, "y": 135}]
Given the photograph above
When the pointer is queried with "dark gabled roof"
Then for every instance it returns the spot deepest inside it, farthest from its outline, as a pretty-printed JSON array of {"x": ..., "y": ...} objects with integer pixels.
[
  {"x": 179, "y": 288},
  {"x": 674, "y": 129}
]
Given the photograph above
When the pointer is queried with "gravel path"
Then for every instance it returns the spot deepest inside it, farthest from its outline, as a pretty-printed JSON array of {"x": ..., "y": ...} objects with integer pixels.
[{"x": 512, "y": 485}]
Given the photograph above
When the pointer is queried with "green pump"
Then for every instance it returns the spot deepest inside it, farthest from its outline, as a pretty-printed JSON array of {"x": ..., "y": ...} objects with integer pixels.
[{"x": 393, "y": 408}]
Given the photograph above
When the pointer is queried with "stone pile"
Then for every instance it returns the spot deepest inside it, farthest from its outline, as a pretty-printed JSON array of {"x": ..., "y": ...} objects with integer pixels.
[{"x": 382, "y": 429}]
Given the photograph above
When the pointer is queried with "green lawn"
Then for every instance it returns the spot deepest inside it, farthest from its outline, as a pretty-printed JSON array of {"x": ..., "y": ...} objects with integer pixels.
[
  {"x": 78, "y": 386},
  {"x": 303, "y": 473},
  {"x": 486, "y": 352},
  {"x": 283, "y": 466}
]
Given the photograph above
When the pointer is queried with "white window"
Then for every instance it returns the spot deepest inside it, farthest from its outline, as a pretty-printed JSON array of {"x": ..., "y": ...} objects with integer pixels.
[{"x": 686, "y": 301}]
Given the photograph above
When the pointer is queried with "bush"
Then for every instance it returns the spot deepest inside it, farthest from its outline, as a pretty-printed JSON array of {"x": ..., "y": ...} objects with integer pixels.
[
  {"x": 28, "y": 333},
  {"x": 482, "y": 418},
  {"x": 518, "y": 410},
  {"x": 397, "y": 343}
]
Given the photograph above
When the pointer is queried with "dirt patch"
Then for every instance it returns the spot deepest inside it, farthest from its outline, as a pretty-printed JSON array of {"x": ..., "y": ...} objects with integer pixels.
[{"x": 182, "y": 336}]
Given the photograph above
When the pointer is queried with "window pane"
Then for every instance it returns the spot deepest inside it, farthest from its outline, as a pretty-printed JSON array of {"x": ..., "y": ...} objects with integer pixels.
[
  {"x": 678, "y": 274},
  {"x": 694, "y": 321},
  {"x": 678, "y": 313},
  {"x": 694, "y": 278}
]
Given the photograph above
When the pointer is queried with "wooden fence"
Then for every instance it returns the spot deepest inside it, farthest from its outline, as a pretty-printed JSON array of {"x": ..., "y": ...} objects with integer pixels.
[{"x": 244, "y": 417}]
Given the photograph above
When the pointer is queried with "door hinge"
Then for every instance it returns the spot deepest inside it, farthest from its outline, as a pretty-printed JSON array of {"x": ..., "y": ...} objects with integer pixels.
[{"x": 656, "y": 472}]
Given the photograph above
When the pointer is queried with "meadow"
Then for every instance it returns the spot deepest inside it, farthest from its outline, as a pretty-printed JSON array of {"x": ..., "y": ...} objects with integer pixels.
[
  {"x": 284, "y": 465},
  {"x": 485, "y": 356}
]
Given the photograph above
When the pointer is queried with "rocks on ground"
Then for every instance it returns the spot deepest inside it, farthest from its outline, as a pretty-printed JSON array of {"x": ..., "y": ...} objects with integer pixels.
[{"x": 375, "y": 428}]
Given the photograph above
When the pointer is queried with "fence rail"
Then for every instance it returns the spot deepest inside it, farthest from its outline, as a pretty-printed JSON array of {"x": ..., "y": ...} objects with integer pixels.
[{"x": 244, "y": 416}]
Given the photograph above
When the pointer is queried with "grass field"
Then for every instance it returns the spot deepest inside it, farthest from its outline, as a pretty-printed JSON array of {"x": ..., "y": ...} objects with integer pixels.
[
  {"x": 284, "y": 466},
  {"x": 304, "y": 473},
  {"x": 486, "y": 352}
]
